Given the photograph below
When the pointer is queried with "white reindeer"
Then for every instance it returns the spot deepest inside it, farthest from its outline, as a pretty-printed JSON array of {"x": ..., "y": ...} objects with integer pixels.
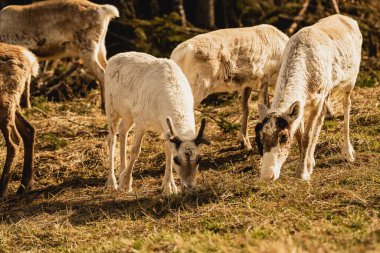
[
  {"x": 237, "y": 59},
  {"x": 152, "y": 93},
  {"x": 317, "y": 60},
  {"x": 60, "y": 28}
]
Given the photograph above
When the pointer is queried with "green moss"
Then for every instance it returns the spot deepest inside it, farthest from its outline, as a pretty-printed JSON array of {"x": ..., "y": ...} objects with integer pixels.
[
  {"x": 261, "y": 233},
  {"x": 41, "y": 103},
  {"x": 158, "y": 36},
  {"x": 368, "y": 79},
  {"x": 52, "y": 142}
]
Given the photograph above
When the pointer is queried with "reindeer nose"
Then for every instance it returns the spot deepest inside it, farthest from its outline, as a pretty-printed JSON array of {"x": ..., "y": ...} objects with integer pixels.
[
  {"x": 188, "y": 186},
  {"x": 269, "y": 177}
]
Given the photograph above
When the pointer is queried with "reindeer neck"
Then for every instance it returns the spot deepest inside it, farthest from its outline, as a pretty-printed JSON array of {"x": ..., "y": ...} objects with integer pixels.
[{"x": 292, "y": 86}]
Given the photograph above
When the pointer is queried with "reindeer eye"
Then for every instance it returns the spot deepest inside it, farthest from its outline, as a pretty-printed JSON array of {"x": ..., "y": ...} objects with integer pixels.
[
  {"x": 176, "y": 160},
  {"x": 199, "y": 159},
  {"x": 283, "y": 138}
]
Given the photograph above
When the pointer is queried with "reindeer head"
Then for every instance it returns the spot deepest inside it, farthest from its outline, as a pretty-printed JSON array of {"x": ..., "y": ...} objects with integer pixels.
[
  {"x": 273, "y": 138},
  {"x": 186, "y": 154}
]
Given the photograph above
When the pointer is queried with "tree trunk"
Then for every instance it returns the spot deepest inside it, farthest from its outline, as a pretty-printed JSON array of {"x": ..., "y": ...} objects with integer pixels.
[
  {"x": 14, "y": 2},
  {"x": 178, "y": 8},
  {"x": 147, "y": 9},
  {"x": 229, "y": 13},
  {"x": 128, "y": 9},
  {"x": 205, "y": 16}
]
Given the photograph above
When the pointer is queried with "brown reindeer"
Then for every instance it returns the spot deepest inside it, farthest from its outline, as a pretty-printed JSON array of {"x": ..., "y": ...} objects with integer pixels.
[
  {"x": 61, "y": 28},
  {"x": 17, "y": 65}
]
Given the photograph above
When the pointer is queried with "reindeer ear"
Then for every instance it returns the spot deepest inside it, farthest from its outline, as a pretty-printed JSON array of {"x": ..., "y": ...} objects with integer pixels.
[
  {"x": 177, "y": 141},
  {"x": 173, "y": 133},
  {"x": 200, "y": 139},
  {"x": 263, "y": 111},
  {"x": 294, "y": 111},
  {"x": 258, "y": 128}
]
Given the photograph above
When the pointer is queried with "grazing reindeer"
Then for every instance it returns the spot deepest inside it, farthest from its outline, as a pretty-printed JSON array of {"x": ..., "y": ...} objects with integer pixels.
[
  {"x": 17, "y": 65},
  {"x": 61, "y": 28},
  {"x": 152, "y": 93},
  {"x": 237, "y": 59},
  {"x": 317, "y": 60}
]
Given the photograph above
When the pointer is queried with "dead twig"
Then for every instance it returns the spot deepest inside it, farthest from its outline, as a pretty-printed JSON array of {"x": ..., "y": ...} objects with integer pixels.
[
  {"x": 299, "y": 18},
  {"x": 85, "y": 125},
  {"x": 336, "y": 6},
  {"x": 57, "y": 82}
]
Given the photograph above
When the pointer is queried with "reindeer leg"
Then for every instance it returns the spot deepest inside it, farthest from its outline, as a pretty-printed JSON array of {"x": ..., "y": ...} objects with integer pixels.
[
  {"x": 347, "y": 149},
  {"x": 168, "y": 184},
  {"x": 90, "y": 56},
  {"x": 126, "y": 175},
  {"x": 25, "y": 101},
  {"x": 329, "y": 110},
  {"x": 113, "y": 122},
  {"x": 317, "y": 131},
  {"x": 102, "y": 56},
  {"x": 298, "y": 134},
  {"x": 28, "y": 135},
  {"x": 12, "y": 140},
  {"x": 305, "y": 166},
  {"x": 124, "y": 129},
  {"x": 243, "y": 136},
  {"x": 264, "y": 96}
]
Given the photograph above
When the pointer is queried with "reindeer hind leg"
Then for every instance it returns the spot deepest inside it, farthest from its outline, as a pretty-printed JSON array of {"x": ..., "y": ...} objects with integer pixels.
[
  {"x": 12, "y": 140},
  {"x": 28, "y": 135}
]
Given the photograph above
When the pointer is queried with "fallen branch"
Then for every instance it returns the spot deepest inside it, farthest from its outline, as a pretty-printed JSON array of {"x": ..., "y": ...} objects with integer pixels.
[
  {"x": 86, "y": 125},
  {"x": 55, "y": 83},
  {"x": 336, "y": 7}
]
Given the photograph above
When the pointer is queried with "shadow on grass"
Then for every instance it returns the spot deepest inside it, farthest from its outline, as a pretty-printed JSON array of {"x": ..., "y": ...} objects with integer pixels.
[
  {"x": 93, "y": 205},
  {"x": 218, "y": 163},
  {"x": 97, "y": 207},
  {"x": 230, "y": 155}
]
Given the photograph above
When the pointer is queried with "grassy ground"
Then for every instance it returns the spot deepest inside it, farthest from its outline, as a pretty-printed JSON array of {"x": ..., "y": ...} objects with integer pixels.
[{"x": 231, "y": 210}]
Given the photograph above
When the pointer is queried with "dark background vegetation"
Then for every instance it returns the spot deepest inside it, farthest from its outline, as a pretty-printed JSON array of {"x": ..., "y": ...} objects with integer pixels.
[{"x": 157, "y": 26}]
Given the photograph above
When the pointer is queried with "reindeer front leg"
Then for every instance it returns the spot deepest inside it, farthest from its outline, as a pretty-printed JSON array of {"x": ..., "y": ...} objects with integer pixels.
[
  {"x": 126, "y": 175},
  {"x": 306, "y": 164},
  {"x": 298, "y": 134},
  {"x": 243, "y": 136},
  {"x": 317, "y": 131},
  {"x": 168, "y": 184}
]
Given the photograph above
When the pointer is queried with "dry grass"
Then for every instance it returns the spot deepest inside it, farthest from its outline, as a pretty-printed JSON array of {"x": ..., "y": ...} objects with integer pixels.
[{"x": 231, "y": 210}]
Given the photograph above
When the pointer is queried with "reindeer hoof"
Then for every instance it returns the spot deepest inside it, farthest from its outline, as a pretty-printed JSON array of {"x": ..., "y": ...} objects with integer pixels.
[
  {"x": 245, "y": 145},
  {"x": 349, "y": 157},
  {"x": 306, "y": 176},
  {"x": 103, "y": 108},
  {"x": 24, "y": 189},
  {"x": 329, "y": 116},
  {"x": 125, "y": 188},
  {"x": 111, "y": 184},
  {"x": 303, "y": 174},
  {"x": 169, "y": 189},
  {"x": 3, "y": 195},
  {"x": 348, "y": 153}
]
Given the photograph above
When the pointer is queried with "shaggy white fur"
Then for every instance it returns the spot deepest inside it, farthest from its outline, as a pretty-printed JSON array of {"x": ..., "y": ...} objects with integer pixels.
[
  {"x": 152, "y": 93},
  {"x": 238, "y": 59},
  {"x": 317, "y": 60}
]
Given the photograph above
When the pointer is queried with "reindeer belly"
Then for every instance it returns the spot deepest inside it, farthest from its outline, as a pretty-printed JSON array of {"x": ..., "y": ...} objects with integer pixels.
[{"x": 46, "y": 51}]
